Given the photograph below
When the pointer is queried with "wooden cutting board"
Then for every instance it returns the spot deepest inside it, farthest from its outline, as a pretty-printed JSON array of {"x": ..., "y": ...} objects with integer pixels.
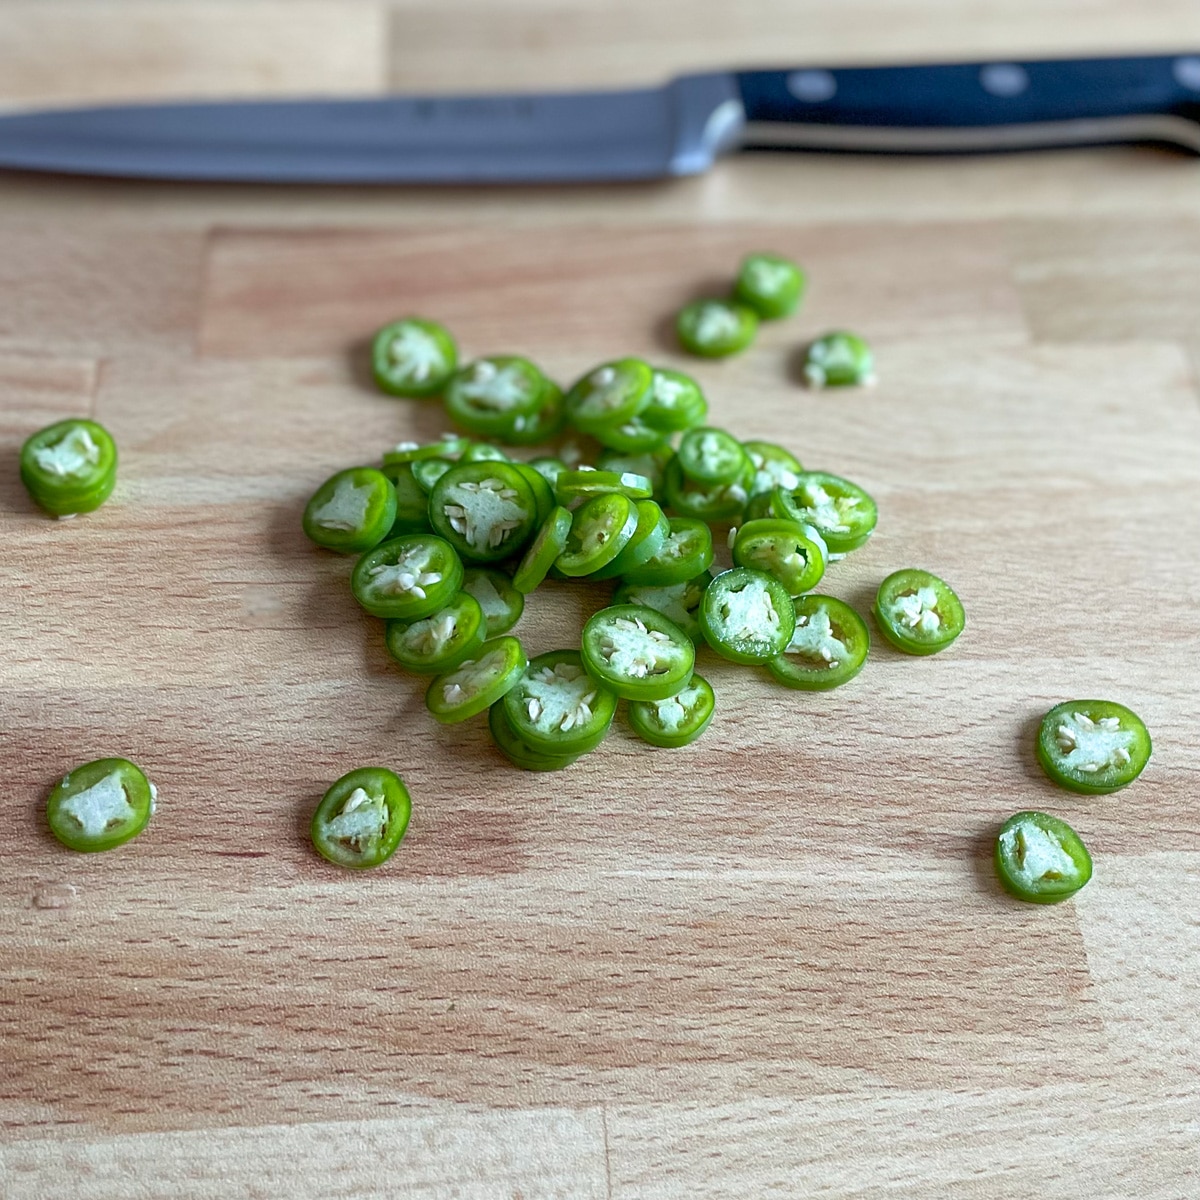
[{"x": 775, "y": 963}]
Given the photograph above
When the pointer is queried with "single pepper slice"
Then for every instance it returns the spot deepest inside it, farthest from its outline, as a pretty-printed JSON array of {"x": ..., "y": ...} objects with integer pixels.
[
  {"x": 828, "y": 646},
  {"x": 548, "y": 543},
  {"x": 1040, "y": 858},
  {"x": 677, "y": 721},
  {"x": 441, "y": 641},
  {"x": 1094, "y": 746},
  {"x": 477, "y": 683},
  {"x": 543, "y": 493},
  {"x": 633, "y": 436},
  {"x": 544, "y": 423},
  {"x": 678, "y": 602},
  {"x": 449, "y": 445},
  {"x": 485, "y": 510},
  {"x": 413, "y": 357},
  {"x": 600, "y": 530},
  {"x": 676, "y": 402},
  {"x": 408, "y": 577},
  {"x": 712, "y": 456},
  {"x": 351, "y": 511},
  {"x": 100, "y": 805},
  {"x": 518, "y": 752},
  {"x": 773, "y": 467},
  {"x": 840, "y": 511},
  {"x": 686, "y": 552},
  {"x": 489, "y": 395},
  {"x": 838, "y": 360},
  {"x": 716, "y": 328},
  {"x": 69, "y": 467},
  {"x": 501, "y": 602},
  {"x": 557, "y": 708},
  {"x": 746, "y": 616},
  {"x": 918, "y": 612},
  {"x": 584, "y": 483},
  {"x": 609, "y": 394},
  {"x": 769, "y": 284},
  {"x": 362, "y": 818},
  {"x": 637, "y": 653},
  {"x": 792, "y": 553}
]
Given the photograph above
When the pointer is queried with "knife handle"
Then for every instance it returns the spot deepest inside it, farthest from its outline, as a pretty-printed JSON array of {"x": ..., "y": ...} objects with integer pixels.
[{"x": 967, "y": 107}]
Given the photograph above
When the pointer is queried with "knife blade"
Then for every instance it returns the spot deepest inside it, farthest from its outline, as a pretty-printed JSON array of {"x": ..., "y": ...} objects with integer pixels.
[{"x": 679, "y": 128}]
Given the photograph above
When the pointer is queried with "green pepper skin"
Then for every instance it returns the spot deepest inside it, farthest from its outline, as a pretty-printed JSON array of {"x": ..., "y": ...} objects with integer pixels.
[
  {"x": 100, "y": 805},
  {"x": 769, "y": 284},
  {"x": 649, "y": 719},
  {"x": 69, "y": 467},
  {"x": 609, "y": 395},
  {"x": 621, "y": 653},
  {"x": 918, "y": 612},
  {"x": 548, "y": 543},
  {"x": 648, "y": 539},
  {"x": 362, "y": 818},
  {"x": 1041, "y": 859},
  {"x": 1093, "y": 746},
  {"x": 413, "y": 358},
  {"x": 600, "y": 529},
  {"x": 368, "y": 506},
  {"x": 412, "y": 504},
  {"x": 716, "y": 328}
]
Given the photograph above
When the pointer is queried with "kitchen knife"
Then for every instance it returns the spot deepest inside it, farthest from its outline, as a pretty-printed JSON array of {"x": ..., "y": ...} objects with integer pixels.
[{"x": 677, "y": 129}]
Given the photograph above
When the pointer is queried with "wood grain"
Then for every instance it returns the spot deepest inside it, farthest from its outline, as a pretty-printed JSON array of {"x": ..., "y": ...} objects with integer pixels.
[{"x": 774, "y": 964}]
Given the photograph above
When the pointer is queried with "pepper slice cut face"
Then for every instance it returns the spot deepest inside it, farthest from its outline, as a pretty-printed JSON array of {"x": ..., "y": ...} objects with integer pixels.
[
  {"x": 838, "y": 360},
  {"x": 746, "y": 616},
  {"x": 1040, "y": 858},
  {"x": 632, "y": 436},
  {"x": 647, "y": 540},
  {"x": 548, "y": 543},
  {"x": 362, "y": 818},
  {"x": 676, "y": 402},
  {"x": 828, "y": 646},
  {"x": 351, "y": 511},
  {"x": 918, "y": 612},
  {"x": 69, "y": 467},
  {"x": 637, "y": 652},
  {"x": 686, "y": 552},
  {"x": 477, "y": 683},
  {"x": 557, "y": 708},
  {"x": 773, "y": 467},
  {"x": 716, "y": 328},
  {"x": 840, "y": 511},
  {"x": 413, "y": 358},
  {"x": 407, "y": 577},
  {"x": 712, "y": 456},
  {"x": 485, "y": 510},
  {"x": 520, "y": 753},
  {"x": 502, "y": 604},
  {"x": 600, "y": 530},
  {"x": 678, "y": 602},
  {"x": 489, "y": 395},
  {"x": 794, "y": 554},
  {"x": 1093, "y": 746},
  {"x": 609, "y": 394},
  {"x": 441, "y": 641},
  {"x": 677, "y": 721},
  {"x": 100, "y": 805},
  {"x": 705, "y": 501},
  {"x": 769, "y": 284}
]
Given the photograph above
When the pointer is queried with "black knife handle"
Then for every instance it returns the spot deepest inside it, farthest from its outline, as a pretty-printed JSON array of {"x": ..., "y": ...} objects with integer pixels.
[{"x": 976, "y": 106}]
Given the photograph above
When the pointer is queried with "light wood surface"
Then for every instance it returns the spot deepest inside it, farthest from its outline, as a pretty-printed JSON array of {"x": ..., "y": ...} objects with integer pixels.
[{"x": 775, "y": 964}]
